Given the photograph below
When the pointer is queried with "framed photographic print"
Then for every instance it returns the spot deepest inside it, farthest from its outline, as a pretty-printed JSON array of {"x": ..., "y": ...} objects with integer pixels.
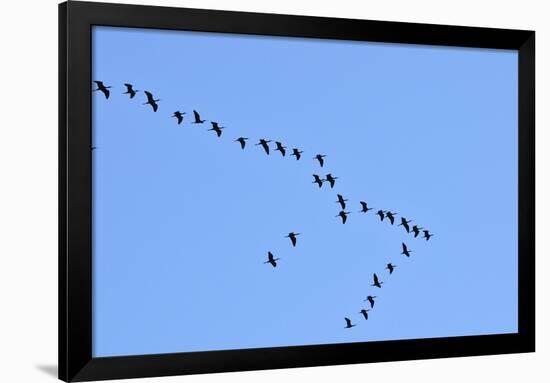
[{"x": 247, "y": 191}]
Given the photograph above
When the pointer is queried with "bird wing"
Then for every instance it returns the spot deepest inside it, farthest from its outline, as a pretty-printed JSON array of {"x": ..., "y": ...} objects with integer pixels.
[
  {"x": 155, "y": 106},
  {"x": 107, "y": 93},
  {"x": 128, "y": 87},
  {"x": 344, "y": 218},
  {"x": 149, "y": 96},
  {"x": 321, "y": 161},
  {"x": 348, "y": 321},
  {"x": 293, "y": 240},
  {"x": 375, "y": 279},
  {"x": 197, "y": 116}
]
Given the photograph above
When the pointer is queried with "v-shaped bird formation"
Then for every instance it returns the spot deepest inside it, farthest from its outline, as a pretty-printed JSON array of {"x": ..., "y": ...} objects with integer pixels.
[{"x": 319, "y": 180}]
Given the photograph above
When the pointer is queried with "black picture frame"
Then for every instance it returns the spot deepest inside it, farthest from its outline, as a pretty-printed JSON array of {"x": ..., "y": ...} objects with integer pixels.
[{"x": 75, "y": 191}]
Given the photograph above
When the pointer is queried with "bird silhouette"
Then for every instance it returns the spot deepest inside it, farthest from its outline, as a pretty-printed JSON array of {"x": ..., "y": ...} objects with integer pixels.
[
  {"x": 297, "y": 153},
  {"x": 292, "y": 237},
  {"x": 216, "y": 128},
  {"x": 376, "y": 283},
  {"x": 341, "y": 201},
  {"x": 344, "y": 215},
  {"x": 318, "y": 180},
  {"x": 280, "y": 148},
  {"x": 130, "y": 90},
  {"x": 390, "y": 267},
  {"x": 151, "y": 101},
  {"x": 405, "y": 224},
  {"x": 405, "y": 251},
  {"x": 179, "y": 116},
  {"x": 197, "y": 118},
  {"x": 265, "y": 145},
  {"x": 427, "y": 235},
  {"x": 271, "y": 259},
  {"x": 348, "y": 323},
  {"x": 365, "y": 313},
  {"x": 331, "y": 180},
  {"x": 370, "y": 298},
  {"x": 242, "y": 141},
  {"x": 319, "y": 157},
  {"x": 381, "y": 214},
  {"x": 391, "y": 216},
  {"x": 416, "y": 230},
  {"x": 364, "y": 207},
  {"x": 102, "y": 88}
]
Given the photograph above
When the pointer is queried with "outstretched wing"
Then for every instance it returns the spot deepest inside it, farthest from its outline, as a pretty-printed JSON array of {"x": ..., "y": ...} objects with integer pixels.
[{"x": 197, "y": 116}]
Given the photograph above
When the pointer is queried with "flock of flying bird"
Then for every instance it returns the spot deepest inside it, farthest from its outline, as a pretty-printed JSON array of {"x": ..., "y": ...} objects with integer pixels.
[{"x": 415, "y": 230}]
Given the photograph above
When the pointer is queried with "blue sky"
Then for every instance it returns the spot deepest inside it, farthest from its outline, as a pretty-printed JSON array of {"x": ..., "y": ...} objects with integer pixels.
[{"x": 183, "y": 220}]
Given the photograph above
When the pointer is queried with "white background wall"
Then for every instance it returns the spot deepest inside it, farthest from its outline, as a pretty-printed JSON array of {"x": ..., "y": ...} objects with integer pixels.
[{"x": 28, "y": 188}]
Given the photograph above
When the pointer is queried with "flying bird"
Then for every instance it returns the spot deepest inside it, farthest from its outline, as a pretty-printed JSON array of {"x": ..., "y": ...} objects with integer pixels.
[
  {"x": 216, "y": 128},
  {"x": 297, "y": 153},
  {"x": 405, "y": 251},
  {"x": 331, "y": 180},
  {"x": 130, "y": 90},
  {"x": 242, "y": 141},
  {"x": 381, "y": 214},
  {"x": 102, "y": 88},
  {"x": 427, "y": 235},
  {"x": 376, "y": 283},
  {"x": 370, "y": 298},
  {"x": 319, "y": 157},
  {"x": 391, "y": 216},
  {"x": 264, "y": 144},
  {"x": 318, "y": 180},
  {"x": 280, "y": 148},
  {"x": 416, "y": 230},
  {"x": 344, "y": 215},
  {"x": 271, "y": 259},
  {"x": 390, "y": 267},
  {"x": 364, "y": 207},
  {"x": 365, "y": 313},
  {"x": 179, "y": 116},
  {"x": 292, "y": 237},
  {"x": 348, "y": 323},
  {"x": 405, "y": 224},
  {"x": 151, "y": 101},
  {"x": 197, "y": 118},
  {"x": 341, "y": 201}
]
